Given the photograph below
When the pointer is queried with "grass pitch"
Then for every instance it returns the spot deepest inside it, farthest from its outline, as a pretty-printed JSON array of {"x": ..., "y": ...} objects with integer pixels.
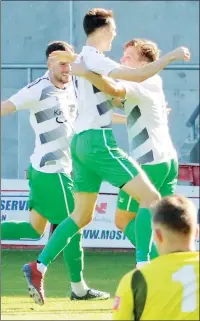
[{"x": 103, "y": 270}]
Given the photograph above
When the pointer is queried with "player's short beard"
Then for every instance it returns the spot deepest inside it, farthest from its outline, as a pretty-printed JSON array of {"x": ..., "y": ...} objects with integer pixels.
[{"x": 60, "y": 79}]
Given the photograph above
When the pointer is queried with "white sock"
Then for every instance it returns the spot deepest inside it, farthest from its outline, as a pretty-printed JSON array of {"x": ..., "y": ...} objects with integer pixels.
[
  {"x": 79, "y": 288},
  {"x": 42, "y": 268},
  {"x": 140, "y": 264}
]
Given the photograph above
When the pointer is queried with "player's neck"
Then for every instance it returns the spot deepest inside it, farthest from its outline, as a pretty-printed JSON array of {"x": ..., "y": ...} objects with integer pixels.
[
  {"x": 96, "y": 43},
  {"x": 180, "y": 246}
]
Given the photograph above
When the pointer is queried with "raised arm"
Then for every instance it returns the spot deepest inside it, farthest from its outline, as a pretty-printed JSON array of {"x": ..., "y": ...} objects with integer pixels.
[
  {"x": 125, "y": 73},
  {"x": 149, "y": 70},
  {"x": 7, "y": 107}
]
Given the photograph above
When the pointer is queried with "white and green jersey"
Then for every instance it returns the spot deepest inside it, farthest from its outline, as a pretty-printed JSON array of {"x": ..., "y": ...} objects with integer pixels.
[
  {"x": 147, "y": 122},
  {"x": 52, "y": 115},
  {"x": 94, "y": 107}
]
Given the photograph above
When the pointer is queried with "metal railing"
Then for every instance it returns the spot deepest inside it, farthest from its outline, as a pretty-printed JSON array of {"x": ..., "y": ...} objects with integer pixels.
[
  {"x": 30, "y": 67},
  {"x": 191, "y": 123}
]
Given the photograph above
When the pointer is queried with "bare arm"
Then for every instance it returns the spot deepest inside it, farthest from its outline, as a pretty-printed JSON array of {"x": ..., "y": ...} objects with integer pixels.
[
  {"x": 103, "y": 83},
  {"x": 138, "y": 74},
  {"x": 150, "y": 69},
  {"x": 7, "y": 108},
  {"x": 118, "y": 119}
]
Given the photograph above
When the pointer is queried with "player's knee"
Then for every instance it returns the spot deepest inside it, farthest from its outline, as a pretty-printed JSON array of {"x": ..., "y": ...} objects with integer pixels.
[
  {"x": 86, "y": 219},
  {"x": 149, "y": 198},
  {"x": 118, "y": 221},
  {"x": 155, "y": 196},
  {"x": 40, "y": 230},
  {"x": 84, "y": 208},
  {"x": 38, "y": 222},
  {"x": 82, "y": 218},
  {"x": 122, "y": 218},
  {"x": 82, "y": 222}
]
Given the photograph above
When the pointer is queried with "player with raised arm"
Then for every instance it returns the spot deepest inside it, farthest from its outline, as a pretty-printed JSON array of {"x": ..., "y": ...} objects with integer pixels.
[
  {"x": 149, "y": 140},
  {"x": 149, "y": 144},
  {"x": 168, "y": 287},
  {"x": 95, "y": 154},
  {"x": 52, "y": 104}
]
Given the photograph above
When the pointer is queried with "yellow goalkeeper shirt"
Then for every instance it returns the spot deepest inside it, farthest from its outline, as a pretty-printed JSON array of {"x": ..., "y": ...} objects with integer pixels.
[{"x": 165, "y": 289}]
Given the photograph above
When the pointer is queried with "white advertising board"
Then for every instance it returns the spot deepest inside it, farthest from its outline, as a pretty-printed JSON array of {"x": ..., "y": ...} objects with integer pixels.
[
  {"x": 14, "y": 206},
  {"x": 100, "y": 233}
]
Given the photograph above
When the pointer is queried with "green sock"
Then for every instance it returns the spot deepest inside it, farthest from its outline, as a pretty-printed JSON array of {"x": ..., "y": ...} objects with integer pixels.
[
  {"x": 130, "y": 234},
  {"x": 58, "y": 241},
  {"x": 130, "y": 231},
  {"x": 143, "y": 234},
  {"x": 16, "y": 230},
  {"x": 73, "y": 256}
]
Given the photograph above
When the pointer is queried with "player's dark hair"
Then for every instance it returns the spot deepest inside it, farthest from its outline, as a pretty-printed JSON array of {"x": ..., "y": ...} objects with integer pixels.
[
  {"x": 96, "y": 18},
  {"x": 57, "y": 45},
  {"x": 146, "y": 48},
  {"x": 176, "y": 212}
]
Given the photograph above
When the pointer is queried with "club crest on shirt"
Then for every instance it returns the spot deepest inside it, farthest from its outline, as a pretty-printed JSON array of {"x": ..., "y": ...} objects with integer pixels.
[{"x": 116, "y": 303}]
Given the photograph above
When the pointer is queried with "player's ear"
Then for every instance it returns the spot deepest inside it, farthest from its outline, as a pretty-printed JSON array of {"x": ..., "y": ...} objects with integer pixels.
[
  {"x": 52, "y": 60},
  {"x": 197, "y": 232},
  {"x": 49, "y": 63},
  {"x": 103, "y": 30},
  {"x": 158, "y": 235}
]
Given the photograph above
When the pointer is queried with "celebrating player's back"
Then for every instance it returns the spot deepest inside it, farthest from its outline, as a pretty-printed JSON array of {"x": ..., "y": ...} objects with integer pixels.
[{"x": 168, "y": 287}]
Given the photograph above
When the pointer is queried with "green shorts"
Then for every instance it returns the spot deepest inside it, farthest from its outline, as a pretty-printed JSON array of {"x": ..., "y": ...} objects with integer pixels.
[
  {"x": 51, "y": 195},
  {"x": 96, "y": 158},
  {"x": 163, "y": 176}
]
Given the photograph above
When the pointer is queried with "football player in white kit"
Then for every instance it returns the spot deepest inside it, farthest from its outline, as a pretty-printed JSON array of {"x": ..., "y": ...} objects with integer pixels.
[
  {"x": 150, "y": 143},
  {"x": 53, "y": 108}
]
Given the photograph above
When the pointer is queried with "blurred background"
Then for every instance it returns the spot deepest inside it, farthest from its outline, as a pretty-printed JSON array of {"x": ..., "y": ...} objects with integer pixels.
[{"x": 27, "y": 28}]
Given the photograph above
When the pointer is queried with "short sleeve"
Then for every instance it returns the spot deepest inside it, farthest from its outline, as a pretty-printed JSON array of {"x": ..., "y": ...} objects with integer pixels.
[
  {"x": 133, "y": 90},
  {"x": 98, "y": 63},
  {"x": 26, "y": 98}
]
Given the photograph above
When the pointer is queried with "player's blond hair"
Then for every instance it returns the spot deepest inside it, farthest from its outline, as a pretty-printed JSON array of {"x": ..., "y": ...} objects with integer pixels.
[{"x": 146, "y": 48}]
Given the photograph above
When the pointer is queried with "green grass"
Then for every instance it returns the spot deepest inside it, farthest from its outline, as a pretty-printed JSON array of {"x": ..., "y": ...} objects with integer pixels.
[{"x": 103, "y": 271}]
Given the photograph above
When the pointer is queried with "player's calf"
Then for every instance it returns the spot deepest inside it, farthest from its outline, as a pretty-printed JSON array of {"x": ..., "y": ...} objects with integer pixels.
[{"x": 142, "y": 189}]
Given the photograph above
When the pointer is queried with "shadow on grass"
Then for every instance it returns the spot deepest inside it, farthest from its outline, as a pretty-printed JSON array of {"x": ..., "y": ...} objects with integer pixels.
[{"x": 102, "y": 271}]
